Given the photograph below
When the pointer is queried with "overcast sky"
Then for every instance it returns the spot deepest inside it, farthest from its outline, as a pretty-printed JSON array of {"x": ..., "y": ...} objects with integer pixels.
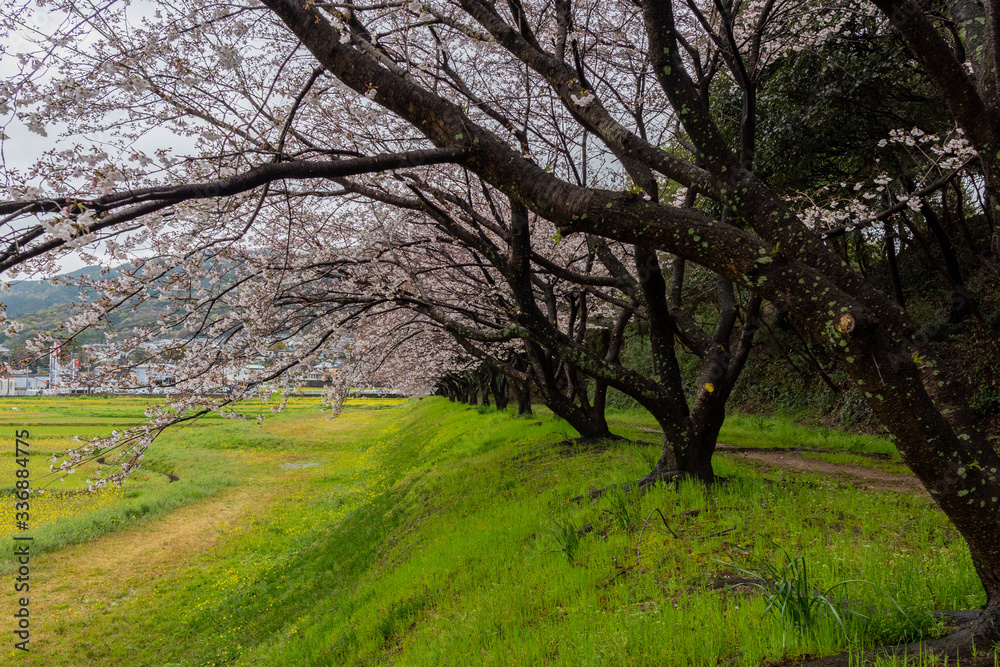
[{"x": 22, "y": 148}]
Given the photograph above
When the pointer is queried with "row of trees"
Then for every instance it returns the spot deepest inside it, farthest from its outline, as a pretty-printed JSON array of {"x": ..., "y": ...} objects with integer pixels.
[{"x": 482, "y": 194}]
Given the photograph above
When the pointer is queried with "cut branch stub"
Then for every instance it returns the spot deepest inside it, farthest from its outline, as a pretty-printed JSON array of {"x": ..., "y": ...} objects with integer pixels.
[{"x": 845, "y": 324}]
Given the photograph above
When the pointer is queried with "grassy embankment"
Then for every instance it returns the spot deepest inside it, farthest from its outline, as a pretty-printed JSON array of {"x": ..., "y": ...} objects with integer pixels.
[{"x": 421, "y": 532}]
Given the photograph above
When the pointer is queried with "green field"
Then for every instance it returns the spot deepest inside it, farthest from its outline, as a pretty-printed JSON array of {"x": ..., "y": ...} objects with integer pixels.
[{"x": 422, "y": 532}]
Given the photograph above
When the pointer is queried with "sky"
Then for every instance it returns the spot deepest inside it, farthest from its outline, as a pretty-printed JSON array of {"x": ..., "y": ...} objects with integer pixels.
[{"x": 22, "y": 148}]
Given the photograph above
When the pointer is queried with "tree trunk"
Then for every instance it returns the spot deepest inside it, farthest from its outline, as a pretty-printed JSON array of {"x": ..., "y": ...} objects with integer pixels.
[
  {"x": 938, "y": 437},
  {"x": 523, "y": 401},
  {"x": 500, "y": 394},
  {"x": 960, "y": 303},
  {"x": 890, "y": 254},
  {"x": 585, "y": 422}
]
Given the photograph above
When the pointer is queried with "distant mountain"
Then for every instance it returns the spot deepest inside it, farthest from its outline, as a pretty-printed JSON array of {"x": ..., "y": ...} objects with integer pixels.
[
  {"x": 34, "y": 296},
  {"x": 40, "y": 306}
]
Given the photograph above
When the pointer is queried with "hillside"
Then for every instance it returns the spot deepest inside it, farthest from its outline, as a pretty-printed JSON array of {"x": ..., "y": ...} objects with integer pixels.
[
  {"x": 31, "y": 297},
  {"x": 423, "y": 532},
  {"x": 42, "y": 306}
]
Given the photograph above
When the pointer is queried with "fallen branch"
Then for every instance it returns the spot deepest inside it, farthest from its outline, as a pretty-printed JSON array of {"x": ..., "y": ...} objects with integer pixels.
[
  {"x": 642, "y": 484},
  {"x": 721, "y": 532},
  {"x": 621, "y": 570},
  {"x": 638, "y": 546}
]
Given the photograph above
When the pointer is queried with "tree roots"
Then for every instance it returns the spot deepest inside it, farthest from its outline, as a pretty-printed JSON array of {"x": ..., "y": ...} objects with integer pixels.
[
  {"x": 964, "y": 642},
  {"x": 642, "y": 484}
]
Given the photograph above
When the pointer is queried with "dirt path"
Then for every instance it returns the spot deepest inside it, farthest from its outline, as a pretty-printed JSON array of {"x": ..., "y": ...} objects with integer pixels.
[
  {"x": 860, "y": 476},
  {"x": 93, "y": 576}
]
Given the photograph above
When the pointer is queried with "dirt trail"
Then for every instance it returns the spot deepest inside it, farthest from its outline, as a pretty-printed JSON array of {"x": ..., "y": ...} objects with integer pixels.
[
  {"x": 860, "y": 476},
  {"x": 95, "y": 575}
]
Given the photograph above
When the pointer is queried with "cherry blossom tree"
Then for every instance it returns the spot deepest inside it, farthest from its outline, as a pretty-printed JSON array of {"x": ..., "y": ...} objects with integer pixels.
[
  {"x": 588, "y": 116},
  {"x": 546, "y": 293}
]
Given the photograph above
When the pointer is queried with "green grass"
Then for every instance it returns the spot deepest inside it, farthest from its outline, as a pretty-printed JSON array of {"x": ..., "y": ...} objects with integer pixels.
[
  {"x": 430, "y": 534},
  {"x": 758, "y": 431},
  {"x": 206, "y": 456}
]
